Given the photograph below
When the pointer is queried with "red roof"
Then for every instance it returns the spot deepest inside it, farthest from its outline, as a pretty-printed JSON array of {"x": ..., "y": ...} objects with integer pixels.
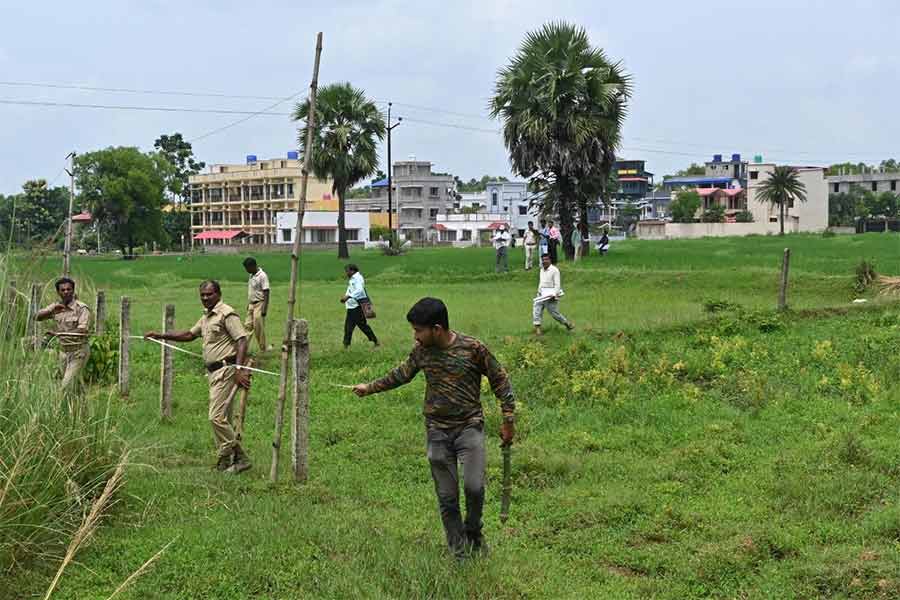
[
  {"x": 632, "y": 179},
  {"x": 220, "y": 234},
  {"x": 82, "y": 217},
  {"x": 496, "y": 224},
  {"x": 439, "y": 227},
  {"x": 711, "y": 191}
]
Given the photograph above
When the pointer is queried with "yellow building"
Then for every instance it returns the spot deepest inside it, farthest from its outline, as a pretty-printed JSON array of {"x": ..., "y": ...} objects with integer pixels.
[{"x": 232, "y": 202}]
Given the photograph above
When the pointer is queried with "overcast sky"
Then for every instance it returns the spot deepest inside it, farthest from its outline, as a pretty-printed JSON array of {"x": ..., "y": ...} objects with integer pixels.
[{"x": 796, "y": 81}]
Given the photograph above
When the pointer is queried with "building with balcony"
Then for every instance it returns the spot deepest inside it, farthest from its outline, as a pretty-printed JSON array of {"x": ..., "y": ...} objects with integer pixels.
[
  {"x": 634, "y": 180},
  {"x": 468, "y": 229},
  {"x": 232, "y": 198},
  {"x": 874, "y": 181}
]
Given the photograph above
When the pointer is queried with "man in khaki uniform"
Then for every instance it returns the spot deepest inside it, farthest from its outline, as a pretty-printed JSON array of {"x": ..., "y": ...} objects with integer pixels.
[
  {"x": 224, "y": 349},
  {"x": 73, "y": 318},
  {"x": 257, "y": 302}
]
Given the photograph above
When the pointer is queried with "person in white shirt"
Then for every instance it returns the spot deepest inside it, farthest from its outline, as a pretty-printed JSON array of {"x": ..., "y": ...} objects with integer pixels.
[
  {"x": 549, "y": 291},
  {"x": 257, "y": 303},
  {"x": 531, "y": 240},
  {"x": 356, "y": 291},
  {"x": 500, "y": 240}
]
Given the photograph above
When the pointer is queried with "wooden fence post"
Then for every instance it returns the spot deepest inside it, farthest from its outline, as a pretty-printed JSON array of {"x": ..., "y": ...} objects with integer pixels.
[
  {"x": 167, "y": 367},
  {"x": 124, "y": 342},
  {"x": 100, "y": 313},
  {"x": 300, "y": 430},
  {"x": 782, "y": 291},
  {"x": 32, "y": 327}
]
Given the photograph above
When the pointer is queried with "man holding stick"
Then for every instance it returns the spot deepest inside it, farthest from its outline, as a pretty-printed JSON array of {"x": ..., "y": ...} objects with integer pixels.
[
  {"x": 73, "y": 319},
  {"x": 453, "y": 364},
  {"x": 549, "y": 292},
  {"x": 224, "y": 351}
]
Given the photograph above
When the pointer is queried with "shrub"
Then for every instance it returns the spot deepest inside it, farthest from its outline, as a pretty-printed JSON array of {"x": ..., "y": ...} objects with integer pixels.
[
  {"x": 685, "y": 206},
  {"x": 714, "y": 214},
  {"x": 745, "y": 216},
  {"x": 865, "y": 276}
]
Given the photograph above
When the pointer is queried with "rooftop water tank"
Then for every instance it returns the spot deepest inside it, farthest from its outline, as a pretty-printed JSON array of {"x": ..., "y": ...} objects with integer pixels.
[
  {"x": 251, "y": 158},
  {"x": 717, "y": 158},
  {"x": 293, "y": 155},
  {"x": 735, "y": 158},
  {"x": 757, "y": 159}
]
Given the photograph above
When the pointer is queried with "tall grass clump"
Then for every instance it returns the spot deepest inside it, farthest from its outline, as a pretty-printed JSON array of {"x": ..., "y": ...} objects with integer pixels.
[{"x": 58, "y": 453}]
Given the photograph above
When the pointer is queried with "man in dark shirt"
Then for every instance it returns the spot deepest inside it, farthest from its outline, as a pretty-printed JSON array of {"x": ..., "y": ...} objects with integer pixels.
[{"x": 453, "y": 364}]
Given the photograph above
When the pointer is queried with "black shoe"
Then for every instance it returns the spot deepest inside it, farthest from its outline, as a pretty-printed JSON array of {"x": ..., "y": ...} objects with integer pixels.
[
  {"x": 477, "y": 545},
  {"x": 224, "y": 462}
]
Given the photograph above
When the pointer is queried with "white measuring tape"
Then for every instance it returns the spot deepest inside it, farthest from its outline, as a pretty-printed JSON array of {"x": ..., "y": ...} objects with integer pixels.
[{"x": 162, "y": 343}]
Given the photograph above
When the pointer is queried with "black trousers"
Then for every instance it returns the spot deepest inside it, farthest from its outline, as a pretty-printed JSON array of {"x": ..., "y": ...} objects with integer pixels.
[
  {"x": 552, "y": 247},
  {"x": 356, "y": 318}
]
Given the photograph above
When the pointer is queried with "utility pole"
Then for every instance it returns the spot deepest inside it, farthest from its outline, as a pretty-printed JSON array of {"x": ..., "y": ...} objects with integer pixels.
[
  {"x": 390, "y": 167},
  {"x": 68, "y": 247}
]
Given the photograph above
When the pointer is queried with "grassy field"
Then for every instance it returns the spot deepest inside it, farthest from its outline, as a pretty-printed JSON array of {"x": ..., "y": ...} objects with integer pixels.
[{"x": 664, "y": 451}]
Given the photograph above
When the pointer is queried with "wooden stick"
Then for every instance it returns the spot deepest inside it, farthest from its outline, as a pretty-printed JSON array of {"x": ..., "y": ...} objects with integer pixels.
[
  {"x": 300, "y": 438},
  {"x": 33, "y": 329},
  {"x": 295, "y": 263},
  {"x": 124, "y": 341},
  {"x": 100, "y": 313},
  {"x": 242, "y": 409},
  {"x": 166, "y": 367},
  {"x": 782, "y": 290}
]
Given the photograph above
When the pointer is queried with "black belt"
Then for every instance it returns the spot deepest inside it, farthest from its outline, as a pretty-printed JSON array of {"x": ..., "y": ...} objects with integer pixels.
[{"x": 215, "y": 366}]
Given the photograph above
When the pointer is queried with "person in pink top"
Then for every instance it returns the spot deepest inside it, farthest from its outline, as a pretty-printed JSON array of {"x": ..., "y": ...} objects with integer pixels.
[{"x": 555, "y": 239}]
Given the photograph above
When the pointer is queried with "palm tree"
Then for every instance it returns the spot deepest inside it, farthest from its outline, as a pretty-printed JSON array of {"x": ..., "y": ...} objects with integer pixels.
[
  {"x": 782, "y": 186},
  {"x": 344, "y": 148},
  {"x": 562, "y": 104}
]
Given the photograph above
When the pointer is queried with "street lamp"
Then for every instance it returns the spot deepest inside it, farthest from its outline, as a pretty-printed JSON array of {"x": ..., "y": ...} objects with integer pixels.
[{"x": 390, "y": 167}]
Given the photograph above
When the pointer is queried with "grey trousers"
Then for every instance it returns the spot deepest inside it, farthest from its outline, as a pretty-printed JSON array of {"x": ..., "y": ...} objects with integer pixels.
[
  {"x": 445, "y": 448},
  {"x": 502, "y": 262},
  {"x": 553, "y": 307}
]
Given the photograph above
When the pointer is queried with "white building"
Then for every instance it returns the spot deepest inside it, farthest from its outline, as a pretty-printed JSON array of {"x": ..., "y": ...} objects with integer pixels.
[
  {"x": 469, "y": 229},
  {"x": 320, "y": 227}
]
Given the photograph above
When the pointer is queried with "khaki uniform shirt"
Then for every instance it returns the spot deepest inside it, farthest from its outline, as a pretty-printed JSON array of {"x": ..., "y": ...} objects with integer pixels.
[
  {"x": 76, "y": 318},
  {"x": 257, "y": 283},
  {"x": 220, "y": 328}
]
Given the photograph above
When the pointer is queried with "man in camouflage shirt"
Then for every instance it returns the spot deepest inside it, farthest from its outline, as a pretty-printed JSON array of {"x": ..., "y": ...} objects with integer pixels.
[{"x": 453, "y": 364}]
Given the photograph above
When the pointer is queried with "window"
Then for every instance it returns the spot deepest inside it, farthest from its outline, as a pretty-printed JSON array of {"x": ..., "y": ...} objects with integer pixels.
[
  {"x": 773, "y": 219},
  {"x": 837, "y": 187},
  {"x": 494, "y": 198},
  {"x": 456, "y": 205},
  {"x": 466, "y": 235},
  {"x": 894, "y": 185},
  {"x": 290, "y": 190},
  {"x": 352, "y": 235},
  {"x": 223, "y": 169},
  {"x": 874, "y": 186},
  {"x": 433, "y": 212},
  {"x": 448, "y": 236},
  {"x": 433, "y": 191},
  {"x": 754, "y": 174},
  {"x": 286, "y": 234},
  {"x": 283, "y": 164},
  {"x": 323, "y": 236}
]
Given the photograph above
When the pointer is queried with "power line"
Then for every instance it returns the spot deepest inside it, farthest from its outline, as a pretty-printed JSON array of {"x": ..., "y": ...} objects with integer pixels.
[
  {"x": 220, "y": 111},
  {"x": 247, "y": 118},
  {"x": 86, "y": 88}
]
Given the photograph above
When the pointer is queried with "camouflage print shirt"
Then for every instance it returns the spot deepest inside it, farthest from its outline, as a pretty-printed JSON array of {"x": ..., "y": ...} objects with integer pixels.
[{"x": 453, "y": 382}]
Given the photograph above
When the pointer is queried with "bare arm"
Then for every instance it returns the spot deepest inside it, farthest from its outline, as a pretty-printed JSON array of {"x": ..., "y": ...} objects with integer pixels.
[
  {"x": 172, "y": 336},
  {"x": 46, "y": 313}
]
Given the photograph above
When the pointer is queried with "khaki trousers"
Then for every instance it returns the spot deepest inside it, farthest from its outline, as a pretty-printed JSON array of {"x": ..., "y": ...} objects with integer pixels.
[
  {"x": 256, "y": 324},
  {"x": 529, "y": 255},
  {"x": 222, "y": 390},
  {"x": 71, "y": 364}
]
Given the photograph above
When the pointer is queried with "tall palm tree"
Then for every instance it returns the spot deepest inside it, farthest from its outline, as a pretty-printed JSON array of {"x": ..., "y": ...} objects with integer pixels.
[
  {"x": 562, "y": 104},
  {"x": 782, "y": 186},
  {"x": 348, "y": 129}
]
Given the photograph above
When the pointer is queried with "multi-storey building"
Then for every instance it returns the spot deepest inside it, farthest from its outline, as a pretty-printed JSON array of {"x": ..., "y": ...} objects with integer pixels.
[
  {"x": 242, "y": 201},
  {"x": 634, "y": 180},
  {"x": 875, "y": 181}
]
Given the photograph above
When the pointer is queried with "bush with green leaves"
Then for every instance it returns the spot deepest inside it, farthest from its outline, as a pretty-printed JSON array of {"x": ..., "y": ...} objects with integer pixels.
[{"x": 685, "y": 206}]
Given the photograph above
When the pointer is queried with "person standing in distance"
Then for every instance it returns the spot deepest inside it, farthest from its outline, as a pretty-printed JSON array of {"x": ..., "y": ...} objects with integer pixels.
[
  {"x": 454, "y": 420},
  {"x": 257, "y": 302},
  {"x": 531, "y": 240},
  {"x": 224, "y": 349},
  {"x": 356, "y": 291},
  {"x": 500, "y": 240},
  {"x": 73, "y": 317}
]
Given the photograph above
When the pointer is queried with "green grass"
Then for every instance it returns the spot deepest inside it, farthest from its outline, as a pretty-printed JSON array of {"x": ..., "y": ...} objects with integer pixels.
[{"x": 663, "y": 452}]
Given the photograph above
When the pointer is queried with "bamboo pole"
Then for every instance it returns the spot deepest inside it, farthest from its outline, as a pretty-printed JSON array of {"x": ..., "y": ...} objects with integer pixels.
[
  {"x": 782, "y": 289},
  {"x": 242, "y": 410},
  {"x": 295, "y": 263},
  {"x": 32, "y": 327},
  {"x": 100, "y": 313},
  {"x": 300, "y": 437},
  {"x": 166, "y": 367},
  {"x": 124, "y": 341}
]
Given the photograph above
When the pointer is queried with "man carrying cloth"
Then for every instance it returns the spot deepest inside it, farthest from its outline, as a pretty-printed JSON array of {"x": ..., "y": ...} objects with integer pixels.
[
  {"x": 549, "y": 292},
  {"x": 73, "y": 318},
  {"x": 224, "y": 348},
  {"x": 257, "y": 302},
  {"x": 453, "y": 364}
]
